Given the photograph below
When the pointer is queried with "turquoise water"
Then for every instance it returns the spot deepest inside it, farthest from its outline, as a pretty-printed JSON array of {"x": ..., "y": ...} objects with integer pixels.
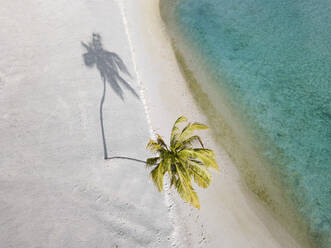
[{"x": 274, "y": 58}]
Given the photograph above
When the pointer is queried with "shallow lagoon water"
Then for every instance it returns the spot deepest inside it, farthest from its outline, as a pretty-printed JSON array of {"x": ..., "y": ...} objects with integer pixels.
[{"x": 274, "y": 58}]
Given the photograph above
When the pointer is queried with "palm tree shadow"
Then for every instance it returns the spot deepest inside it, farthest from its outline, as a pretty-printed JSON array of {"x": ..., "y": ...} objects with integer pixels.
[{"x": 109, "y": 65}]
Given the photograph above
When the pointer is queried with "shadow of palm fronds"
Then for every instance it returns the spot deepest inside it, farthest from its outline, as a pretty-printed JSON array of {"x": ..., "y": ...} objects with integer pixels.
[{"x": 109, "y": 65}]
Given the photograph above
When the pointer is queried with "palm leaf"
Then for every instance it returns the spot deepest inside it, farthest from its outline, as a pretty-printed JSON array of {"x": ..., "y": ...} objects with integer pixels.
[
  {"x": 189, "y": 130},
  {"x": 175, "y": 130},
  {"x": 189, "y": 141},
  {"x": 152, "y": 161},
  {"x": 153, "y": 146},
  {"x": 205, "y": 155},
  {"x": 161, "y": 142},
  {"x": 157, "y": 177},
  {"x": 202, "y": 177},
  {"x": 184, "y": 187}
]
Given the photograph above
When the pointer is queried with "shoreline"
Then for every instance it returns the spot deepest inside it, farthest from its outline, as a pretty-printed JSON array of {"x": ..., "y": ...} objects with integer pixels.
[
  {"x": 158, "y": 101},
  {"x": 264, "y": 184},
  {"x": 259, "y": 190},
  {"x": 268, "y": 164}
]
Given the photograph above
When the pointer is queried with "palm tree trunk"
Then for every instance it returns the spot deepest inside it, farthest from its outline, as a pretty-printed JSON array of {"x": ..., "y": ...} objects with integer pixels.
[
  {"x": 101, "y": 119},
  {"x": 128, "y": 158}
]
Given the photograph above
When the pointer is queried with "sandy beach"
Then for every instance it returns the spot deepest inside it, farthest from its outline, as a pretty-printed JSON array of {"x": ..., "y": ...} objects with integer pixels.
[{"x": 56, "y": 190}]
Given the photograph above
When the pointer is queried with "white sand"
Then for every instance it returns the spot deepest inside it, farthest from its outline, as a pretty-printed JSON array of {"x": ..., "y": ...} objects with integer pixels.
[{"x": 55, "y": 188}]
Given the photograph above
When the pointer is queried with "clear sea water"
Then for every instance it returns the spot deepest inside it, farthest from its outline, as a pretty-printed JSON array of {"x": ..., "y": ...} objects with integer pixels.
[{"x": 276, "y": 59}]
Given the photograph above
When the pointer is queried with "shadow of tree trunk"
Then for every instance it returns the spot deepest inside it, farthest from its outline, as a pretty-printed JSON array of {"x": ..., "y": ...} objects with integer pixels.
[{"x": 101, "y": 120}]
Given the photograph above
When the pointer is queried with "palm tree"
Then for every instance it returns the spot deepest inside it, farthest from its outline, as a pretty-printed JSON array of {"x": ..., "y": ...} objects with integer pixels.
[
  {"x": 109, "y": 65},
  {"x": 181, "y": 161}
]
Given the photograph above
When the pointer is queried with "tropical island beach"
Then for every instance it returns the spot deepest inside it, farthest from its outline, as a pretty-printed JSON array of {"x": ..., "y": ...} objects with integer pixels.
[{"x": 56, "y": 188}]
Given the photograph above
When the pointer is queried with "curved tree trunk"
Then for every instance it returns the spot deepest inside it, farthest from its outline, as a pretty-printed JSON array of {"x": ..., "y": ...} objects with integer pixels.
[
  {"x": 128, "y": 158},
  {"x": 101, "y": 119}
]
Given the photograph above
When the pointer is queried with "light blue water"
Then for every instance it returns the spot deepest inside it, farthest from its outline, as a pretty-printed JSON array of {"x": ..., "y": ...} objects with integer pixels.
[{"x": 275, "y": 57}]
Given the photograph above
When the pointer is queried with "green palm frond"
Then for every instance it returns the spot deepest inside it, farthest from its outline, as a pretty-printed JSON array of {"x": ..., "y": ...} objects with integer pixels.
[
  {"x": 202, "y": 177},
  {"x": 157, "y": 176},
  {"x": 189, "y": 142},
  {"x": 205, "y": 155},
  {"x": 189, "y": 130},
  {"x": 184, "y": 187},
  {"x": 161, "y": 142},
  {"x": 153, "y": 146},
  {"x": 152, "y": 161},
  {"x": 175, "y": 130},
  {"x": 182, "y": 162}
]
